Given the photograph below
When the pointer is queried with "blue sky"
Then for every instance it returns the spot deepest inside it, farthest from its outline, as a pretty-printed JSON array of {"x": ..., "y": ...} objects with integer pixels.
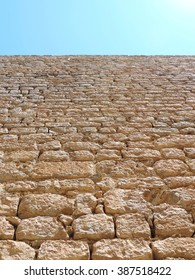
[{"x": 97, "y": 27}]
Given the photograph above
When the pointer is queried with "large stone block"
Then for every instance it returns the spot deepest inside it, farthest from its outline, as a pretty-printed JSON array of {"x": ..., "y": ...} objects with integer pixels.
[
  {"x": 174, "y": 248},
  {"x": 69, "y": 170},
  {"x": 64, "y": 250},
  {"x": 121, "y": 249},
  {"x": 33, "y": 205},
  {"x": 93, "y": 227},
  {"x": 14, "y": 250},
  {"x": 8, "y": 204},
  {"x": 6, "y": 229},
  {"x": 40, "y": 228}
]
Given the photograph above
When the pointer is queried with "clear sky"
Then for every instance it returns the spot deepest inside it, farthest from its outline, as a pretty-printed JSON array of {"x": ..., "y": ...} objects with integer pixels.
[{"x": 97, "y": 27}]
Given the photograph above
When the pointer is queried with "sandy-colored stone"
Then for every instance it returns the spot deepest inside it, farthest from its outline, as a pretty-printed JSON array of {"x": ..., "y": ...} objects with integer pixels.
[
  {"x": 51, "y": 145},
  {"x": 52, "y": 205},
  {"x": 8, "y": 204},
  {"x": 93, "y": 227},
  {"x": 105, "y": 154},
  {"x": 106, "y": 184},
  {"x": 14, "y": 250},
  {"x": 132, "y": 226},
  {"x": 21, "y": 156},
  {"x": 85, "y": 204},
  {"x": 40, "y": 228},
  {"x": 64, "y": 250},
  {"x": 121, "y": 249},
  {"x": 173, "y": 222},
  {"x": 174, "y": 248},
  {"x": 170, "y": 167},
  {"x": 190, "y": 152},
  {"x": 176, "y": 141},
  {"x": 65, "y": 220},
  {"x": 141, "y": 154},
  {"x": 9, "y": 171},
  {"x": 173, "y": 153},
  {"x": 119, "y": 201},
  {"x": 82, "y": 155},
  {"x": 54, "y": 156},
  {"x": 6, "y": 229},
  {"x": 46, "y": 170}
]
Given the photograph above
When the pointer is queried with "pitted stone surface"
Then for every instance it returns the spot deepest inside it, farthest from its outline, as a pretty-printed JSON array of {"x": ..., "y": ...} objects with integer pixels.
[
  {"x": 97, "y": 157},
  {"x": 64, "y": 250}
]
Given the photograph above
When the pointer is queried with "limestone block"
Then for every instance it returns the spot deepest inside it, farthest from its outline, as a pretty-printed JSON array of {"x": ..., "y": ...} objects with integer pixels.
[
  {"x": 12, "y": 250},
  {"x": 85, "y": 204},
  {"x": 149, "y": 182},
  {"x": 141, "y": 154},
  {"x": 173, "y": 153},
  {"x": 40, "y": 228},
  {"x": 121, "y": 249},
  {"x": 173, "y": 222},
  {"x": 119, "y": 201},
  {"x": 10, "y": 171},
  {"x": 6, "y": 229},
  {"x": 33, "y": 205},
  {"x": 65, "y": 220},
  {"x": 191, "y": 164},
  {"x": 77, "y": 146},
  {"x": 64, "y": 250},
  {"x": 132, "y": 226},
  {"x": 8, "y": 204},
  {"x": 51, "y": 145},
  {"x": 176, "y": 141},
  {"x": 180, "y": 181},
  {"x": 106, "y": 184},
  {"x": 69, "y": 170},
  {"x": 54, "y": 156},
  {"x": 114, "y": 145},
  {"x": 82, "y": 155},
  {"x": 21, "y": 156},
  {"x": 171, "y": 167},
  {"x": 93, "y": 227},
  {"x": 190, "y": 152},
  {"x": 105, "y": 154},
  {"x": 174, "y": 248}
]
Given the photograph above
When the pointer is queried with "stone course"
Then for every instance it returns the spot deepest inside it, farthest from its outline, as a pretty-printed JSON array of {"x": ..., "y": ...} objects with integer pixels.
[{"x": 97, "y": 158}]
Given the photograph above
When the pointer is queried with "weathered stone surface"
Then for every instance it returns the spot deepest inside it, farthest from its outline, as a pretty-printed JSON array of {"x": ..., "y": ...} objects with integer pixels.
[
  {"x": 93, "y": 227},
  {"x": 132, "y": 226},
  {"x": 21, "y": 156},
  {"x": 64, "y": 250},
  {"x": 52, "y": 205},
  {"x": 40, "y": 228},
  {"x": 121, "y": 249},
  {"x": 85, "y": 204},
  {"x": 8, "y": 204},
  {"x": 82, "y": 155},
  {"x": 10, "y": 171},
  {"x": 142, "y": 154},
  {"x": 173, "y": 153},
  {"x": 176, "y": 141},
  {"x": 174, "y": 248},
  {"x": 173, "y": 222},
  {"x": 12, "y": 250},
  {"x": 190, "y": 152},
  {"x": 106, "y": 184},
  {"x": 170, "y": 167},
  {"x": 54, "y": 156},
  {"x": 6, "y": 229},
  {"x": 46, "y": 170},
  {"x": 120, "y": 201}
]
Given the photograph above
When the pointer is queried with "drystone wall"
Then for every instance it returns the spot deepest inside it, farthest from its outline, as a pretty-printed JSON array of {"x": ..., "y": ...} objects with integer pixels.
[{"x": 97, "y": 157}]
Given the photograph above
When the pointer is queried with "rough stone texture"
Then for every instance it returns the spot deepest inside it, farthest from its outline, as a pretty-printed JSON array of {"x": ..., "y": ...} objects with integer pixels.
[
  {"x": 173, "y": 222},
  {"x": 33, "y": 205},
  {"x": 12, "y": 250},
  {"x": 98, "y": 149},
  {"x": 64, "y": 250},
  {"x": 121, "y": 249},
  {"x": 40, "y": 228},
  {"x": 93, "y": 227},
  {"x": 174, "y": 248},
  {"x": 6, "y": 229},
  {"x": 132, "y": 226}
]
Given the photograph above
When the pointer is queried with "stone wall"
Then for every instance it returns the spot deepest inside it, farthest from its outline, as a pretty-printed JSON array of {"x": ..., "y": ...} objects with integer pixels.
[{"x": 97, "y": 157}]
